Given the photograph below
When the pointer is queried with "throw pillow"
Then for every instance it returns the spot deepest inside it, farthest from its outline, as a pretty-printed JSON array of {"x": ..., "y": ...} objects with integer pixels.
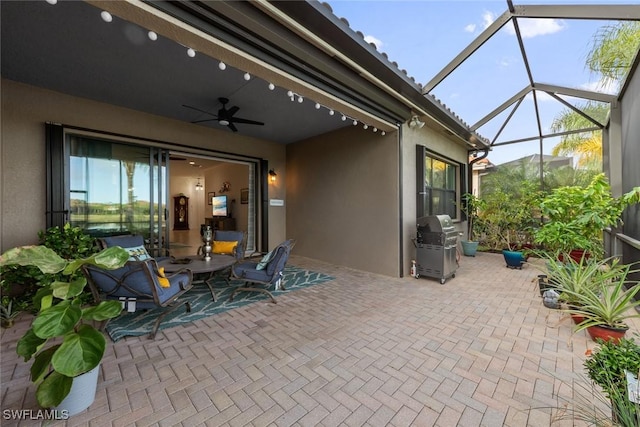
[
  {"x": 226, "y": 248},
  {"x": 137, "y": 253},
  {"x": 265, "y": 261},
  {"x": 162, "y": 279}
]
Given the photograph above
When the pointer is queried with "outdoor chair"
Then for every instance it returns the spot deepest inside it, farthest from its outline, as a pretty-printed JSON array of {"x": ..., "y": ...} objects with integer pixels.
[
  {"x": 266, "y": 272},
  {"x": 139, "y": 284},
  {"x": 238, "y": 252}
]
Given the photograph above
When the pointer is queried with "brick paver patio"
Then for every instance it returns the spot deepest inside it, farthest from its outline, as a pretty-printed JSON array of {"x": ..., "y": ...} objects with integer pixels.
[{"x": 362, "y": 349}]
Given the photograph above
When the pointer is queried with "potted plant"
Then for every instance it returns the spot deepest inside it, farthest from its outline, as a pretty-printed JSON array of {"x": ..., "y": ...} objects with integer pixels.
[
  {"x": 571, "y": 278},
  {"x": 470, "y": 207},
  {"x": 605, "y": 302},
  {"x": 64, "y": 346},
  {"x": 8, "y": 313},
  {"x": 576, "y": 217},
  {"x": 608, "y": 367},
  {"x": 20, "y": 283}
]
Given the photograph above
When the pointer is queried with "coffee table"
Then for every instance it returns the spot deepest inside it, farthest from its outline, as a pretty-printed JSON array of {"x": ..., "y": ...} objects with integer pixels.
[{"x": 199, "y": 266}]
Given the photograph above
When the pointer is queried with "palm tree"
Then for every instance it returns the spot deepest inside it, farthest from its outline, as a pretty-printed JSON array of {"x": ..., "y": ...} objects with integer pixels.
[
  {"x": 611, "y": 54},
  {"x": 587, "y": 146},
  {"x": 613, "y": 49}
]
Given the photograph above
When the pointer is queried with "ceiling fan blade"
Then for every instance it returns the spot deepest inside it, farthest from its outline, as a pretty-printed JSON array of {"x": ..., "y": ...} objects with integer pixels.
[
  {"x": 246, "y": 121},
  {"x": 231, "y": 111},
  {"x": 204, "y": 120},
  {"x": 232, "y": 127},
  {"x": 197, "y": 109}
]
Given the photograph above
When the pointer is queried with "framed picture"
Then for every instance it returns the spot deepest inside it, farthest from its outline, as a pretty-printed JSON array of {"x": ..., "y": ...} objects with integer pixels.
[
  {"x": 244, "y": 196},
  {"x": 210, "y": 195}
]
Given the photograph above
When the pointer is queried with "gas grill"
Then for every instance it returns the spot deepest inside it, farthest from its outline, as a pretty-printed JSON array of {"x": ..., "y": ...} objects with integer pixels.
[{"x": 436, "y": 243}]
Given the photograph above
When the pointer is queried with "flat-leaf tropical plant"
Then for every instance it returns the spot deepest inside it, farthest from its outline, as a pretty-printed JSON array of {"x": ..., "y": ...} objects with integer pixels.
[
  {"x": 609, "y": 303},
  {"x": 79, "y": 346},
  {"x": 577, "y": 216}
]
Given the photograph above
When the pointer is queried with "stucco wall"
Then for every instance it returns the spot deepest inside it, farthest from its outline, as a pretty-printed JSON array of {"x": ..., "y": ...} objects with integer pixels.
[
  {"x": 342, "y": 199},
  {"x": 436, "y": 143},
  {"x": 26, "y": 108}
]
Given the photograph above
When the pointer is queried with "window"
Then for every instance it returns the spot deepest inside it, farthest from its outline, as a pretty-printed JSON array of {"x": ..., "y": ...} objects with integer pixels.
[{"x": 437, "y": 185}]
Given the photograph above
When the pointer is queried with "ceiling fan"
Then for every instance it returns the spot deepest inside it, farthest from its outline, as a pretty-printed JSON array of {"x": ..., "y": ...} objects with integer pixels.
[{"x": 225, "y": 117}]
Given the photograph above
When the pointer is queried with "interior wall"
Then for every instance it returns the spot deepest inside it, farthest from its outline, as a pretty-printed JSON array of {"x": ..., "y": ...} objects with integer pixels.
[
  {"x": 237, "y": 176},
  {"x": 342, "y": 199},
  {"x": 25, "y": 109},
  {"x": 436, "y": 143}
]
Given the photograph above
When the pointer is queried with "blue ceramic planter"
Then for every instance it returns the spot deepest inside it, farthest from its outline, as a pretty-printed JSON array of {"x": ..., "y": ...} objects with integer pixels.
[
  {"x": 469, "y": 248},
  {"x": 514, "y": 259}
]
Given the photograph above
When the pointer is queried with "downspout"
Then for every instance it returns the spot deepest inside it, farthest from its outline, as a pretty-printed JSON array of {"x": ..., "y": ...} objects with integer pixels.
[
  {"x": 400, "y": 204},
  {"x": 484, "y": 154},
  {"x": 470, "y": 172}
]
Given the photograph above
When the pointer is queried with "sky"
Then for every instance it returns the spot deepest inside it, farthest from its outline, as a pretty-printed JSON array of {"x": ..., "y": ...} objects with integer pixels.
[{"x": 422, "y": 37}]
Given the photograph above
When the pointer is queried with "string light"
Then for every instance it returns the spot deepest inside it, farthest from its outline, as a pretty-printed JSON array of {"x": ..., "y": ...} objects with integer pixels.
[
  {"x": 106, "y": 16},
  {"x": 153, "y": 36},
  {"x": 383, "y": 133}
]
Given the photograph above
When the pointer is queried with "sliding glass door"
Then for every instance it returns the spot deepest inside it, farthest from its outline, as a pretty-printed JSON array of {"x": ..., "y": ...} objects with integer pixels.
[{"x": 118, "y": 188}]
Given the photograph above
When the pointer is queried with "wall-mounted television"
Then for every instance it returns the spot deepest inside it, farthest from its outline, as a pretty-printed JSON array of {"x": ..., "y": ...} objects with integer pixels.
[{"x": 219, "y": 206}]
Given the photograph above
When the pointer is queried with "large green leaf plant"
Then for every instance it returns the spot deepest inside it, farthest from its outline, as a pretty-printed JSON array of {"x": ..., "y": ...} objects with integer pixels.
[
  {"x": 576, "y": 217},
  {"x": 74, "y": 346}
]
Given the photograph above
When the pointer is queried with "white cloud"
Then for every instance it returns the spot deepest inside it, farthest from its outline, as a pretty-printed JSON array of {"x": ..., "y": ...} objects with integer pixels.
[
  {"x": 603, "y": 85},
  {"x": 470, "y": 28},
  {"x": 506, "y": 61},
  {"x": 487, "y": 19},
  {"x": 374, "y": 40},
  {"x": 544, "y": 96},
  {"x": 529, "y": 27},
  {"x": 532, "y": 27}
]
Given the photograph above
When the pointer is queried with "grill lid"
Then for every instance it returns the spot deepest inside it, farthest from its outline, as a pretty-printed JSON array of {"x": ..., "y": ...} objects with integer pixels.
[{"x": 435, "y": 224}]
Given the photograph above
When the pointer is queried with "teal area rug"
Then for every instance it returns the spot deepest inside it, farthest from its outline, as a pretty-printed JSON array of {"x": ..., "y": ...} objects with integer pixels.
[{"x": 141, "y": 323}]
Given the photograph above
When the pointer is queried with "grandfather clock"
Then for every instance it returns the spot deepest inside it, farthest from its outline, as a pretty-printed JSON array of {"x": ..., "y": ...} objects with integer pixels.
[{"x": 181, "y": 212}]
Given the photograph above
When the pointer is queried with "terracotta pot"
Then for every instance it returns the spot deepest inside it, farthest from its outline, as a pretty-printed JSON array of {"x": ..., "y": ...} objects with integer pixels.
[
  {"x": 576, "y": 255},
  {"x": 577, "y": 319},
  {"x": 607, "y": 333}
]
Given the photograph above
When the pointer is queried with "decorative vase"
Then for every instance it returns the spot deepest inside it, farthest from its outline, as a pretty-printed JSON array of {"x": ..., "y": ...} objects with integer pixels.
[
  {"x": 207, "y": 238},
  {"x": 607, "y": 333},
  {"x": 469, "y": 248},
  {"x": 82, "y": 394},
  {"x": 514, "y": 259}
]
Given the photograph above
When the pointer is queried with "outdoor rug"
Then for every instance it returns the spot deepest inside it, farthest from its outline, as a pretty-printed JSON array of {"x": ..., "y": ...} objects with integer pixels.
[{"x": 141, "y": 322}]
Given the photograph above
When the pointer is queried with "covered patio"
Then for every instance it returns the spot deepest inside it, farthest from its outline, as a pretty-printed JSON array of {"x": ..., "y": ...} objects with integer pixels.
[{"x": 363, "y": 349}]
